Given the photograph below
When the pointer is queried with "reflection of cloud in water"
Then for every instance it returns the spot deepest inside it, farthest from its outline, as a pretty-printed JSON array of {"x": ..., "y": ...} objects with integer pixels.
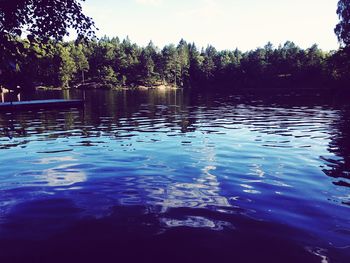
[
  {"x": 196, "y": 222},
  {"x": 49, "y": 160},
  {"x": 64, "y": 175},
  {"x": 204, "y": 192}
]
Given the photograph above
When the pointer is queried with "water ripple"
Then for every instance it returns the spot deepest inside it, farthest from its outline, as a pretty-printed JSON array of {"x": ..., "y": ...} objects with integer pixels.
[{"x": 287, "y": 164}]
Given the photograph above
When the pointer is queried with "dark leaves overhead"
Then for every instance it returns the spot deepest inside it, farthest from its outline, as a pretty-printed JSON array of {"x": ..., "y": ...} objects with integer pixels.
[
  {"x": 343, "y": 28},
  {"x": 44, "y": 19}
]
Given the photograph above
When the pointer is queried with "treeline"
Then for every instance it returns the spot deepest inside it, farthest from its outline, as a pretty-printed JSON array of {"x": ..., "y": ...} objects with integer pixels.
[{"x": 109, "y": 62}]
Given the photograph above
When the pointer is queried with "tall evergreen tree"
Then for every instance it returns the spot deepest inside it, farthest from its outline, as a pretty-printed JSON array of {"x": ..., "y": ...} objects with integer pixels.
[
  {"x": 67, "y": 66},
  {"x": 81, "y": 62}
]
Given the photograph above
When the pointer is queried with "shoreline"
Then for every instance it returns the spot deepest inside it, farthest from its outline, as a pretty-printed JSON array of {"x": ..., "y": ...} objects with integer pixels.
[{"x": 92, "y": 86}]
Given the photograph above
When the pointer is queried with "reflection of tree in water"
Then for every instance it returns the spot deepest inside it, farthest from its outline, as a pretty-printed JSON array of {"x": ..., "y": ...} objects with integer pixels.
[{"x": 340, "y": 146}]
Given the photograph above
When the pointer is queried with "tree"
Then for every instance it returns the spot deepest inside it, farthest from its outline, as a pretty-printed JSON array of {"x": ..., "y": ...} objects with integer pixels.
[
  {"x": 343, "y": 27},
  {"x": 147, "y": 64},
  {"x": 208, "y": 66},
  {"x": 195, "y": 64},
  {"x": 80, "y": 59},
  {"x": 44, "y": 18},
  {"x": 108, "y": 76},
  {"x": 116, "y": 63},
  {"x": 341, "y": 59},
  {"x": 171, "y": 64},
  {"x": 184, "y": 62},
  {"x": 67, "y": 67}
]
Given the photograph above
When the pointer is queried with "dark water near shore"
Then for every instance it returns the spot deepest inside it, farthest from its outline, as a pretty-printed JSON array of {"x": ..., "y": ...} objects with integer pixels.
[{"x": 163, "y": 176}]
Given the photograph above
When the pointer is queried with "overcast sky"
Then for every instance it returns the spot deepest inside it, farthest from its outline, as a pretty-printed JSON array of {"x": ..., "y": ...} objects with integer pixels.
[{"x": 226, "y": 24}]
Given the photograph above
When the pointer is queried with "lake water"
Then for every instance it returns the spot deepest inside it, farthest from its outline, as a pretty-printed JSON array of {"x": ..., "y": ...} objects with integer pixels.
[{"x": 169, "y": 175}]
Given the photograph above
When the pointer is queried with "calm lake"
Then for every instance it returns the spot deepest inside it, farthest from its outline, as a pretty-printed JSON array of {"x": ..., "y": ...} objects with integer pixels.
[{"x": 170, "y": 175}]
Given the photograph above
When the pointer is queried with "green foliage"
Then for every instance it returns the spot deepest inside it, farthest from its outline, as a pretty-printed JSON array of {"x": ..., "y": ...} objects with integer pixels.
[
  {"x": 343, "y": 27},
  {"x": 146, "y": 67},
  {"x": 338, "y": 66},
  {"x": 67, "y": 66},
  {"x": 114, "y": 63},
  {"x": 44, "y": 19},
  {"x": 42, "y": 60},
  {"x": 108, "y": 76},
  {"x": 170, "y": 64},
  {"x": 81, "y": 62}
]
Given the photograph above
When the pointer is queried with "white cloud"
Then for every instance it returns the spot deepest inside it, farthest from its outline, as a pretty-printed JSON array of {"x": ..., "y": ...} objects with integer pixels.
[
  {"x": 206, "y": 10},
  {"x": 149, "y": 2}
]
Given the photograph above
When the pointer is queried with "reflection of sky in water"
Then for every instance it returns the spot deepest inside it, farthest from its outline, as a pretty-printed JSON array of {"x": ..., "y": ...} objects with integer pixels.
[
  {"x": 258, "y": 160},
  {"x": 204, "y": 192},
  {"x": 196, "y": 222},
  {"x": 49, "y": 160},
  {"x": 62, "y": 174},
  {"x": 46, "y": 171}
]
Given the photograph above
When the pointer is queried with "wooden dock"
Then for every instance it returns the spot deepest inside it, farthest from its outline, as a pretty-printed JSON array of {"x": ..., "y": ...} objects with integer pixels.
[{"x": 40, "y": 104}]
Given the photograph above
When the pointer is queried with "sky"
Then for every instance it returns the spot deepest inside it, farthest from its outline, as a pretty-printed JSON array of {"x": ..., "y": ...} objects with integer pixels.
[{"x": 225, "y": 24}]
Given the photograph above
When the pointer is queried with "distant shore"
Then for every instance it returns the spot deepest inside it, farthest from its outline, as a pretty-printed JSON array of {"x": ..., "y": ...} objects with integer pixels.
[{"x": 96, "y": 85}]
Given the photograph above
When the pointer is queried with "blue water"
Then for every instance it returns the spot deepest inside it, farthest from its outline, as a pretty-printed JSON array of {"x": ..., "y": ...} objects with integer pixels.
[{"x": 172, "y": 175}]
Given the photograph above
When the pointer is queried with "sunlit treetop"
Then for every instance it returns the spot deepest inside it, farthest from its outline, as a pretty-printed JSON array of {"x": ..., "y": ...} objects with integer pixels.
[{"x": 44, "y": 19}]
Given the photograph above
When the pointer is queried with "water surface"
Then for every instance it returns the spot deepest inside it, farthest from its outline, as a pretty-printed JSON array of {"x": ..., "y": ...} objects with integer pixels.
[{"x": 174, "y": 176}]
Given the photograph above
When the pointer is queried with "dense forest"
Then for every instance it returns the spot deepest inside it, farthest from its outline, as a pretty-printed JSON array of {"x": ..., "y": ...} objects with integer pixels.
[
  {"x": 42, "y": 58},
  {"x": 109, "y": 62}
]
